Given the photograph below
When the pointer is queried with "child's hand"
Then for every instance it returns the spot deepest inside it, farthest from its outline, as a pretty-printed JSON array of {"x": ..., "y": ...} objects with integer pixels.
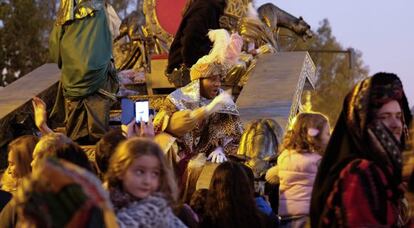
[
  {"x": 146, "y": 130},
  {"x": 40, "y": 115},
  {"x": 129, "y": 130}
]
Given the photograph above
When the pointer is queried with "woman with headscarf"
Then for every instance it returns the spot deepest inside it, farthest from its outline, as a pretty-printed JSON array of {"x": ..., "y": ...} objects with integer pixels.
[{"x": 359, "y": 179}]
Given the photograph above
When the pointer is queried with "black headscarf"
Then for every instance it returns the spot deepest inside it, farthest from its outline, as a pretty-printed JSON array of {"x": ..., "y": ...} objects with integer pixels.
[{"x": 358, "y": 135}]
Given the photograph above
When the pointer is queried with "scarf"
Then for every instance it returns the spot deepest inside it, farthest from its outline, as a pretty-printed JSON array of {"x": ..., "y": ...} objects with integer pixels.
[
  {"x": 153, "y": 211},
  {"x": 120, "y": 198}
]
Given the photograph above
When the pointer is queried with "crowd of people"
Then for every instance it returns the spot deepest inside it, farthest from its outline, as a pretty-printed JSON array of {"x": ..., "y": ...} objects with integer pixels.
[
  {"x": 192, "y": 164},
  {"x": 350, "y": 179}
]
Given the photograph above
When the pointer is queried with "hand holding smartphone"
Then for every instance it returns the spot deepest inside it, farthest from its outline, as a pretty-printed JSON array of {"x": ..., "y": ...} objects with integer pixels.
[{"x": 140, "y": 111}]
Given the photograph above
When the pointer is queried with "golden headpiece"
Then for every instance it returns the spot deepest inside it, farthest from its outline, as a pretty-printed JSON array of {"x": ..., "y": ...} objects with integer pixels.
[{"x": 222, "y": 56}]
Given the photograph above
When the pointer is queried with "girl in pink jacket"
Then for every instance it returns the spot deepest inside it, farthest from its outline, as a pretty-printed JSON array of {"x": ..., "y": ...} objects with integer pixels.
[{"x": 297, "y": 165}]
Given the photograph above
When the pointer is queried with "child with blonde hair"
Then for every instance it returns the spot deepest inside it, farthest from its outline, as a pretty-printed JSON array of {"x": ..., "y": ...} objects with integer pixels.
[
  {"x": 141, "y": 185},
  {"x": 297, "y": 165},
  {"x": 19, "y": 158}
]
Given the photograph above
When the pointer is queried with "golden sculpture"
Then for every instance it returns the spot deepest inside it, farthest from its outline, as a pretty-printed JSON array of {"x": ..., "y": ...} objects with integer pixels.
[
  {"x": 153, "y": 26},
  {"x": 235, "y": 10},
  {"x": 146, "y": 36},
  {"x": 260, "y": 33},
  {"x": 259, "y": 145}
]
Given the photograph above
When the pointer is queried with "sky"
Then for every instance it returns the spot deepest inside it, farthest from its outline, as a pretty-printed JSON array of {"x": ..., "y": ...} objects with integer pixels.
[{"x": 381, "y": 29}]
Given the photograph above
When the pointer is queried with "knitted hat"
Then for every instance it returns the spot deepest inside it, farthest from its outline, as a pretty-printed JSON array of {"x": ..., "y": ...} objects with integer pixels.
[{"x": 222, "y": 56}]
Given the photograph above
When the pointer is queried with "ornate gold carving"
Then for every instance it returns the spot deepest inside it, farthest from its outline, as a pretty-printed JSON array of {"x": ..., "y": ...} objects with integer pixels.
[
  {"x": 307, "y": 73},
  {"x": 235, "y": 10},
  {"x": 153, "y": 25},
  {"x": 310, "y": 70},
  {"x": 257, "y": 32}
]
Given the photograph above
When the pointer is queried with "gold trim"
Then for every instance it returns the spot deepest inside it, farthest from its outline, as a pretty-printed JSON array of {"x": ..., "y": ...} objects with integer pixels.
[
  {"x": 307, "y": 72},
  {"x": 152, "y": 23},
  {"x": 235, "y": 10}
]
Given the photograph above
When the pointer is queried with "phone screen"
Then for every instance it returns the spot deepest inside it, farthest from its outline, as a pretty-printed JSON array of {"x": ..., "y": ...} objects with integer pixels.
[{"x": 141, "y": 111}]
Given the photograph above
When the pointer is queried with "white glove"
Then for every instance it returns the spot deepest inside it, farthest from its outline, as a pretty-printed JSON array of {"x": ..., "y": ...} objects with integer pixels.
[
  {"x": 218, "y": 102},
  {"x": 217, "y": 156}
]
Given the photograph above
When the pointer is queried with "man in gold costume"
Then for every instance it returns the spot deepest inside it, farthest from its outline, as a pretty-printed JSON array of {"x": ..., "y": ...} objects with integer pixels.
[{"x": 201, "y": 118}]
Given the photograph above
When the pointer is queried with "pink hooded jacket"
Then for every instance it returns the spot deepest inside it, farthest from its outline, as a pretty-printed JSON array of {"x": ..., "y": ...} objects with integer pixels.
[{"x": 297, "y": 172}]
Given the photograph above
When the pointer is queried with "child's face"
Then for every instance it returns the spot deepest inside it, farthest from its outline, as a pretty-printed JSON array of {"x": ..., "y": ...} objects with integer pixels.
[
  {"x": 325, "y": 135},
  {"x": 12, "y": 165},
  {"x": 142, "y": 178}
]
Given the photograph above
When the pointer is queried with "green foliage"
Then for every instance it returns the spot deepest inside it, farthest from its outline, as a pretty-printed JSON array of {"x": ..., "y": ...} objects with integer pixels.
[
  {"x": 24, "y": 35},
  {"x": 337, "y": 71}
]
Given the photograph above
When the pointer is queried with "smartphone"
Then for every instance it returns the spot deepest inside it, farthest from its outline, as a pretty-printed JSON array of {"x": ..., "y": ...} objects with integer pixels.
[
  {"x": 142, "y": 111},
  {"x": 138, "y": 109}
]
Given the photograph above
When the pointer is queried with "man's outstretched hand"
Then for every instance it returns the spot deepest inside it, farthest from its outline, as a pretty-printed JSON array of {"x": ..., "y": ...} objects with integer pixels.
[{"x": 219, "y": 102}]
